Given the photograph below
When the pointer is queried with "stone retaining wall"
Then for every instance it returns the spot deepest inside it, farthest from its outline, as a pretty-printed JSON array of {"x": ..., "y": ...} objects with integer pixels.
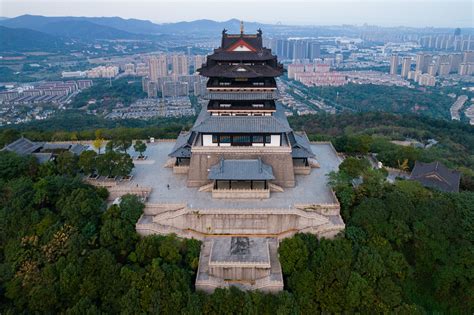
[{"x": 279, "y": 223}]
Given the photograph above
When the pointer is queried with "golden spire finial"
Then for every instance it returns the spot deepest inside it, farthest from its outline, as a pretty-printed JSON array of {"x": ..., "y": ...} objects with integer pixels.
[{"x": 241, "y": 27}]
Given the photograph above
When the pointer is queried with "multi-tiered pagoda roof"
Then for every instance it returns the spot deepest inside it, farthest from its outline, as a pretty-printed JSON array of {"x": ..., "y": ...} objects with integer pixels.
[
  {"x": 242, "y": 56},
  {"x": 242, "y": 112}
]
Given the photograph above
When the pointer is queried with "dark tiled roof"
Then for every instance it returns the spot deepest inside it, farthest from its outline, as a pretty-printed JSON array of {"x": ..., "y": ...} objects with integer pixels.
[
  {"x": 43, "y": 157},
  {"x": 23, "y": 146},
  {"x": 241, "y": 170},
  {"x": 241, "y": 71},
  {"x": 77, "y": 148},
  {"x": 301, "y": 147},
  {"x": 221, "y": 55},
  {"x": 242, "y": 124},
  {"x": 56, "y": 146},
  {"x": 182, "y": 147},
  {"x": 436, "y": 175}
]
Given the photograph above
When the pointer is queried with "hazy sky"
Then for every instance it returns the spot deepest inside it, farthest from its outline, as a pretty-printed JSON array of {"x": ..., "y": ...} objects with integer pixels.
[{"x": 438, "y": 13}]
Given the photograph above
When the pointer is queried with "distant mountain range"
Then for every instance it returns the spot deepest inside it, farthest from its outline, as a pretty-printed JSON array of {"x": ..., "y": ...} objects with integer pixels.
[
  {"x": 110, "y": 28},
  {"x": 119, "y": 28},
  {"x": 72, "y": 27},
  {"x": 21, "y": 39},
  {"x": 35, "y": 32}
]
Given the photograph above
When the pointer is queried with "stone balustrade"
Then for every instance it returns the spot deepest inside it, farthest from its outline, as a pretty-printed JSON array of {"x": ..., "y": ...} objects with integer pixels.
[{"x": 241, "y": 193}]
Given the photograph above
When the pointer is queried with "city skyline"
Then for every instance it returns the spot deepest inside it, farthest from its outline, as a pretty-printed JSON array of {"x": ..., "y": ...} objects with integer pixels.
[{"x": 421, "y": 13}]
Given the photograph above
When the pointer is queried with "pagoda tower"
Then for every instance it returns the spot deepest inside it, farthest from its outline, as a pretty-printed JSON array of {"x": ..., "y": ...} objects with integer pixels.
[
  {"x": 241, "y": 178},
  {"x": 241, "y": 145}
]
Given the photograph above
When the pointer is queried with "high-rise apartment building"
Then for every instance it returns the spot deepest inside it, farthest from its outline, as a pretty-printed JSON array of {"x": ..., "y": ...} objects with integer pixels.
[
  {"x": 468, "y": 56},
  {"x": 180, "y": 64},
  {"x": 422, "y": 62},
  {"x": 158, "y": 67},
  {"x": 199, "y": 60},
  {"x": 406, "y": 66},
  {"x": 299, "y": 50},
  {"x": 444, "y": 68},
  {"x": 432, "y": 69},
  {"x": 394, "y": 64},
  {"x": 455, "y": 60},
  {"x": 314, "y": 50},
  {"x": 152, "y": 89}
]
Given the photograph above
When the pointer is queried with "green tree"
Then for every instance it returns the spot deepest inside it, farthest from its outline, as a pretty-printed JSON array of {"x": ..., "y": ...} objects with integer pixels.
[
  {"x": 293, "y": 255},
  {"x": 140, "y": 147},
  {"x": 117, "y": 234},
  {"x": 169, "y": 249},
  {"x": 13, "y": 165},
  {"x": 87, "y": 161},
  {"x": 67, "y": 163},
  {"x": 113, "y": 163},
  {"x": 354, "y": 167}
]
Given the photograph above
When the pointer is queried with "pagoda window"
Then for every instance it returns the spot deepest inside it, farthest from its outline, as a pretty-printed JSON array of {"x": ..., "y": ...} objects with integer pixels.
[
  {"x": 268, "y": 139},
  {"x": 258, "y": 83},
  {"x": 225, "y": 105},
  {"x": 242, "y": 140},
  {"x": 215, "y": 139},
  {"x": 225, "y": 139},
  {"x": 258, "y": 105},
  {"x": 258, "y": 139}
]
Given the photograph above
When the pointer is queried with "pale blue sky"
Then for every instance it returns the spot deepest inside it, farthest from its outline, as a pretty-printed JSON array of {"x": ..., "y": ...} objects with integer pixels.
[{"x": 438, "y": 13}]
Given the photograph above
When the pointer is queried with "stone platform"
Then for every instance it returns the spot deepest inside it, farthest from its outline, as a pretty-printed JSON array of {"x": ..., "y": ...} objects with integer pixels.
[
  {"x": 254, "y": 261},
  {"x": 173, "y": 207},
  {"x": 309, "y": 189}
]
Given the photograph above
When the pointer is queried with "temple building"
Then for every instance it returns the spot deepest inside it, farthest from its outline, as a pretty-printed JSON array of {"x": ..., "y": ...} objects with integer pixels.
[
  {"x": 436, "y": 175},
  {"x": 240, "y": 179},
  {"x": 242, "y": 141}
]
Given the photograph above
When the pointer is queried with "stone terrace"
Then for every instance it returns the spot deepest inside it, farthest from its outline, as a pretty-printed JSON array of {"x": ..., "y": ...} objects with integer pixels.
[{"x": 309, "y": 189}]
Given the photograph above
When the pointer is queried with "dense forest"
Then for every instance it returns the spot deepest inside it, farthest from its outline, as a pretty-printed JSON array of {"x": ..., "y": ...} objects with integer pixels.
[
  {"x": 392, "y": 99},
  {"x": 406, "y": 249},
  {"x": 108, "y": 93}
]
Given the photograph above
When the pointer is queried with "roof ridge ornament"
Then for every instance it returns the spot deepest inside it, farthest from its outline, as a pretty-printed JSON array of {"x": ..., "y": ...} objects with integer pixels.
[{"x": 241, "y": 27}]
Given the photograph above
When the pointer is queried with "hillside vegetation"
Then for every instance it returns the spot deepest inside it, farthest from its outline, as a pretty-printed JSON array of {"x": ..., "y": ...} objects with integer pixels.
[{"x": 405, "y": 249}]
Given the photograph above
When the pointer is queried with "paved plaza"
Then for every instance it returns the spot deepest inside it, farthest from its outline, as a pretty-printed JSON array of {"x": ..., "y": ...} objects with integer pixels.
[{"x": 309, "y": 189}]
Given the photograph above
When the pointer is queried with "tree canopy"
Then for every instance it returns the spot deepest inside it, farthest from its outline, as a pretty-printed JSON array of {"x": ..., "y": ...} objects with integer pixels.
[{"x": 405, "y": 249}]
